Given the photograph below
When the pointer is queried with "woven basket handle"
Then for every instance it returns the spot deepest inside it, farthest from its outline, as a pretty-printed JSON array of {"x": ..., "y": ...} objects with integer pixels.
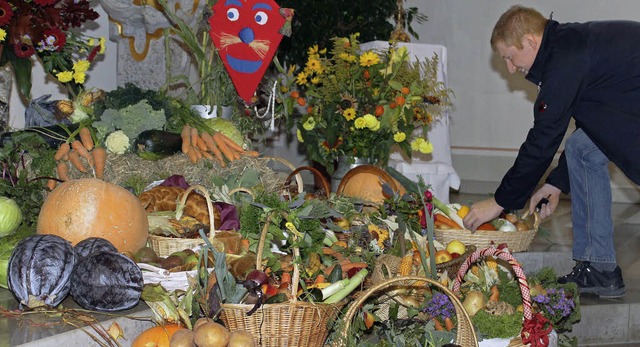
[
  {"x": 316, "y": 172},
  {"x": 517, "y": 269},
  {"x": 288, "y": 164},
  {"x": 207, "y": 197},
  {"x": 367, "y": 168},
  {"x": 465, "y": 335},
  {"x": 295, "y": 278}
]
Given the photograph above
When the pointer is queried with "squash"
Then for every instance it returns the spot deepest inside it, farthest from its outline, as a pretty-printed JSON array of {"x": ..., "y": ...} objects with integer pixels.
[
  {"x": 365, "y": 182},
  {"x": 89, "y": 207},
  {"x": 158, "y": 336}
]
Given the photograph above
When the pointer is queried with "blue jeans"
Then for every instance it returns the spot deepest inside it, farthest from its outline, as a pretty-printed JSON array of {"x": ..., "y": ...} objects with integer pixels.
[{"x": 590, "y": 200}]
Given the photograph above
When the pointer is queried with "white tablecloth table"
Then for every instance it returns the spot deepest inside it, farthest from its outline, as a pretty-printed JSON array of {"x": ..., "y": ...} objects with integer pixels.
[{"x": 436, "y": 168}]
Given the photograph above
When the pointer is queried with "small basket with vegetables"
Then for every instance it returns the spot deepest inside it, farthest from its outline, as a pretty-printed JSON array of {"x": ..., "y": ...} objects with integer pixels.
[{"x": 291, "y": 322}]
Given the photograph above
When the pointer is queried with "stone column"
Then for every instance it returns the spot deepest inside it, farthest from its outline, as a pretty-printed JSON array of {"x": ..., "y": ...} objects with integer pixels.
[{"x": 6, "y": 81}]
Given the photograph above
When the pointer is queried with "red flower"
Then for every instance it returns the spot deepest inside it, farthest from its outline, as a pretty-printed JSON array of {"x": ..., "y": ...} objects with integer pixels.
[
  {"x": 76, "y": 12},
  {"x": 54, "y": 38},
  {"x": 23, "y": 50},
  {"x": 93, "y": 53},
  {"x": 46, "y": 2},
  {"x": 428, "y": 195},
  {"x": 5, "y": 13}
]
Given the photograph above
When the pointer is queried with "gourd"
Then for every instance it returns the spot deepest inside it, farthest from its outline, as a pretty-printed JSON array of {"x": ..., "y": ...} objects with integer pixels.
[
  {"x": 40, "y": 269},
  {"x": 157, "y": 144},
  {"x": 93, "y": 244},
  {"x": 365, "y": 182},
  {"x": 89, "y": 207},
  {"x": 106, "y": 281},
  {"x": 158, "y": 336}
]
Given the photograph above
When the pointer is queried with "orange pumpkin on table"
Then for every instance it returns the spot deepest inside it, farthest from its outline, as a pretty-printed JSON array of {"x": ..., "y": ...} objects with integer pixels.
[
  {"x": 89, "y": 207},
  {"x": 365, "y": 182}
]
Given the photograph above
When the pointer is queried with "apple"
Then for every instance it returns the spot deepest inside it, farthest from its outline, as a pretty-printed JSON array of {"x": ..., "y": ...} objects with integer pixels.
[
  {"x": 456, "y": 246},
  {"x": 455, "y": 255},
  {"x": 442, "y": 256}
]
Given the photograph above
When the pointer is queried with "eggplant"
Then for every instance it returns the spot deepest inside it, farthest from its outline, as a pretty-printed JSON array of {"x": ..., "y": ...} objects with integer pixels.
[{"x": 157, "y": 144}]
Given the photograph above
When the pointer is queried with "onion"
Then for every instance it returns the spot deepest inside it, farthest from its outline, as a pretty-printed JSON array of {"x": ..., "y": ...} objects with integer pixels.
[
  {"x": 10, "y": 216},
  {"x": 473, "y": 302}
]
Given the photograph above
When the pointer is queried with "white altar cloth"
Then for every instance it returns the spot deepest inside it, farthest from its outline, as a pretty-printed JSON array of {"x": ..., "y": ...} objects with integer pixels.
[{"x": 436, "y": 168}]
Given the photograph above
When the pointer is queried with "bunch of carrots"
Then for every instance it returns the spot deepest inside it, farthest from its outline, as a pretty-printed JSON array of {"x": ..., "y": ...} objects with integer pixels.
[
  {"x": 217, "y": 146},
  {"x": 443, "y": 222},
  {"x": 82, "y": 154}
]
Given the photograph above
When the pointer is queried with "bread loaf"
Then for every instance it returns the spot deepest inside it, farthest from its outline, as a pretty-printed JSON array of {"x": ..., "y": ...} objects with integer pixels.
[{"x": 164, "y": 198}]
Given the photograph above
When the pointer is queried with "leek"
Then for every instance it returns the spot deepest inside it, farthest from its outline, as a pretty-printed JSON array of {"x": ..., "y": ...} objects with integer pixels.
[
  {"x": 354, "y": 282},
  {"x": 449, "y": 212}
]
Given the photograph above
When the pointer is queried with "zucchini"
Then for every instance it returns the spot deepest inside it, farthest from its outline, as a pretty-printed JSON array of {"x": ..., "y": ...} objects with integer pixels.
[{"x": 157, "y": 144}]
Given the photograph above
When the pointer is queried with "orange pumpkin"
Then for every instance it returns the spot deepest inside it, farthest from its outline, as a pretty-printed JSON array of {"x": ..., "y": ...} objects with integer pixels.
[
  {"x": 158, "y": 336},
  {"x": 89, "y": 207},
  {"x": 365, "y": 182}
]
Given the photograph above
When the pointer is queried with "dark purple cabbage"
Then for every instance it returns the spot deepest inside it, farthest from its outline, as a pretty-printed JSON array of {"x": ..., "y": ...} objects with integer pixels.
[
  {"x": 40, "y": 269},
  {"x": 106, "y": 281},
  {"x": 94, "y": 244}
]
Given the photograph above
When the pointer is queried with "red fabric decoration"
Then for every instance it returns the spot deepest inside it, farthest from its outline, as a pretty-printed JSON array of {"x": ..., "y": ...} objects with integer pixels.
[
  {"x": 247, "y": 34},
  {"x": 535, "y": 331}
]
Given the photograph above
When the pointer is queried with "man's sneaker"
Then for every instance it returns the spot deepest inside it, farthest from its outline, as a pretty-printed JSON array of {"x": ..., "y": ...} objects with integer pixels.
[{"x": 605, "y": 284}]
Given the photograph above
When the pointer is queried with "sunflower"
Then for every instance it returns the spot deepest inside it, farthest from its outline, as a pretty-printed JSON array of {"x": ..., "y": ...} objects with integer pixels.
[{"x": 347, "y": 101}]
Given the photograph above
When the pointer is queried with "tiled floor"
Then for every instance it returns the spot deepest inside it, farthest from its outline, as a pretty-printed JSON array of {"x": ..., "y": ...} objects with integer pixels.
[{"x": 604, "y": 322}]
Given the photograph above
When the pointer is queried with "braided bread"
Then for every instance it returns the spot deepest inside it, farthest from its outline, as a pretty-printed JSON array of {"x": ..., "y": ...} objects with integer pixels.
[{"x": 163, "y": 198}]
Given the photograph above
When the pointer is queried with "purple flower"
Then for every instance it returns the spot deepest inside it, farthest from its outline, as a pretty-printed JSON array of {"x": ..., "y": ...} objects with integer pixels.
[{"x": 439, "y": 306}]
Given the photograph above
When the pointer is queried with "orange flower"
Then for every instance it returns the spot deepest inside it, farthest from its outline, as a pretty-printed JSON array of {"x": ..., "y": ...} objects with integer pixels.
[
  {"x": 405, "y": 90},
  {"x": 379, "y": 110},
  {"x": 366, "y": 74},
  {"x": 393, "y": 105},
  {"x": 301, "y": 101},
  {"x": 295, "y": 94},
  {"x": 400, "y": 100}
]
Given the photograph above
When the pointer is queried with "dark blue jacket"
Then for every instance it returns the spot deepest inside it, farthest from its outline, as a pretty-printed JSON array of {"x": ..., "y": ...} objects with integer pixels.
[{"x": 591, "y": 72}]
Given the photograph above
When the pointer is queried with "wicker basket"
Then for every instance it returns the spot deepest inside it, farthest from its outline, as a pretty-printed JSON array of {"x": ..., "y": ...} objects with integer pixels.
[
  {"x": 164, "y": 246},
  {"x": 517, "y": 269},
  {"x": 465, "y": 335},
  {"x": 326, "y": 188},
  {"x": 294, "y": 323},
  {"x": 517, "y": 241}
]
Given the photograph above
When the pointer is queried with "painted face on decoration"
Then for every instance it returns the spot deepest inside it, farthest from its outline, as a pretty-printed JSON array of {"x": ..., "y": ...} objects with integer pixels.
[{"x": 247, "y": 34}]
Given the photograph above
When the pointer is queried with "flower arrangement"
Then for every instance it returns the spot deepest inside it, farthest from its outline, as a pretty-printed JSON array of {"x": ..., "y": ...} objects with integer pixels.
[
  {"x": 360, "y": 104},
  {"x": 43, "y": 28}
]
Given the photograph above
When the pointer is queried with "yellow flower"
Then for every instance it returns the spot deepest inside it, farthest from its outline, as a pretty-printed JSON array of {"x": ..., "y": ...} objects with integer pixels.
[
  {"x": 91, "y": 41},
  {"x": 349, "y": 114},
  {"x": 3, "y": 34},
  {"x": 301, "y": 79},
  {"x": 299, "y": 135},
  {"x": 426, "y": 147},
  {"x": 376, "y": 126},
  {"x": 415, "y": 144},
  {"x": 360, "y": 123},
  {"x": 347, "y": 57},
  {"x": 103, "y": 46},
  {"x": 323, "y": 51},
  {"x": 381, "y": 235},
  {"x": 315, "y": 80},
  {"x": 315, "y": 66},
  {"x": 65, "y": 76},
  {"x": 371, "y": 121},
  {"x": 79, "y": 77},
  {"x": 313, "y": 50},
  {"x": 369, "y": 58},
  {"x": 81, "y": 66},
  {"x": 399, "y": 136},
  {"x": 309, "y": 124}
]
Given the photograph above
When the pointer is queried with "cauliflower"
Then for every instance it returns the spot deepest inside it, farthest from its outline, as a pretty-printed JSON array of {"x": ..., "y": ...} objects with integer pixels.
[{"x": 117, "y": 142}]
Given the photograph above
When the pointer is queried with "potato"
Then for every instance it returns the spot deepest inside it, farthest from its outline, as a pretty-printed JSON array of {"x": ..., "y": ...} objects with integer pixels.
[
  {"x": 211, "y": 334},
  {"x": 182, "y": 338},
  {"x": 241, "y": 338}
]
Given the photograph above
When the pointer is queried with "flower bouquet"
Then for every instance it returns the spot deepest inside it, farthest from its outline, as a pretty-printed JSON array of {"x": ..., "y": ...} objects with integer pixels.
[
  {"x": 360, "y": 104},
  {"x": 43, "y": 28}
]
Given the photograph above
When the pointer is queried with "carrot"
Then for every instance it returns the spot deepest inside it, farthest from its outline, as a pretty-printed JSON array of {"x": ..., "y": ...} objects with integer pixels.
[
  {"x": 62, "y": 151},
  {"x": 201, "y": 144},
  {"x": 349, "y": 266},
  {"x": 486, "y": 226},
  {"x": 442, "y": 219},
  {"x": 75, "y": 160},
  {"x": 78, "y": 147},
  {"x": 51, "y": 184},
  {"x": 63, "y": 171},
  {"x": 99, "y": 161},
  {"x": 85, "y": 138},
  {"x": 229, "y": 142},
  {"x": 194, "y": 137},
  {"x": 332, "y": 252},
  {"x": 207, "y": 155},
  {"x": 186, "y": 138},
  {"x": 211, "y": 145},
  {"x": 285, "y": 278},
  {"x": 495, "y": 294},
  {"x": 320, "y": 279},
  {"x": 192, "y": 155},
  {"x": 252, "y": 153},
  {"x": 222, "y": 146},
  {"x": 438, "y": 325},
  {"x": 197, "y": 151},
  {"x": 448, "y": 324}
]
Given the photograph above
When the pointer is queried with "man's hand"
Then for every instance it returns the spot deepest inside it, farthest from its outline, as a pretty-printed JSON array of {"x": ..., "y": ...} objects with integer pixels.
[
  {"x": 549, "y": 192},
  {"x": 481, "y": 212}
]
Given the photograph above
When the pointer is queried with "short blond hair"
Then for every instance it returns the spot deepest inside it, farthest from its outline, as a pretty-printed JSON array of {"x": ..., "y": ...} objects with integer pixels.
[{"x": 516, "y": 22}]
